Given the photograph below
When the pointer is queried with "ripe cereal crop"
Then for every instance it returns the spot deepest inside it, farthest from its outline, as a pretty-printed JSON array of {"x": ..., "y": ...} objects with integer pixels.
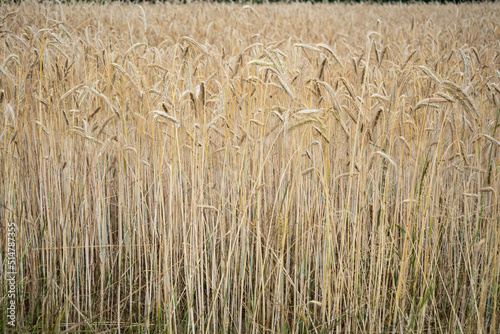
[{"x": 230, "y": 168}]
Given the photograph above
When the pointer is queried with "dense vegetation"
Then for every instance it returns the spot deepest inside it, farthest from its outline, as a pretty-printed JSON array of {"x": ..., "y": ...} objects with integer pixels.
[{"x": 227, "y": 168}]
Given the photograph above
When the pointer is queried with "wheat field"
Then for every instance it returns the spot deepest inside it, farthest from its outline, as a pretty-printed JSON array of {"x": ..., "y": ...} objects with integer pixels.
[{"x": 276, "y": 168}]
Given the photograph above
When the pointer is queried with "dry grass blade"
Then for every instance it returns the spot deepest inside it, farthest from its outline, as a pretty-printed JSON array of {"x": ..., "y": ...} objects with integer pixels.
[
  {"x": 250, "y": 8},
  {"x": 195, "y": 44},
  {"x": 259, "y": 62},
  {"x": 285, "y": 87},
  {"x": 382, "y": 154},
  {"x": 159, "y": 113},
  {"x": 113, "y": 109},
  {"x": 307, "y": 47},
  {"x": 308, "y": 111},
  {"x": 430, "y": 102},
  {"x": 331, "y": 52},
  {"x": 121, "y": 69},
  {"x": 430, "y": 74},
  {"x": 490, "y": 138},
  {"x": 462, "y": 97},
  {"x": 68, "y": 93}
]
